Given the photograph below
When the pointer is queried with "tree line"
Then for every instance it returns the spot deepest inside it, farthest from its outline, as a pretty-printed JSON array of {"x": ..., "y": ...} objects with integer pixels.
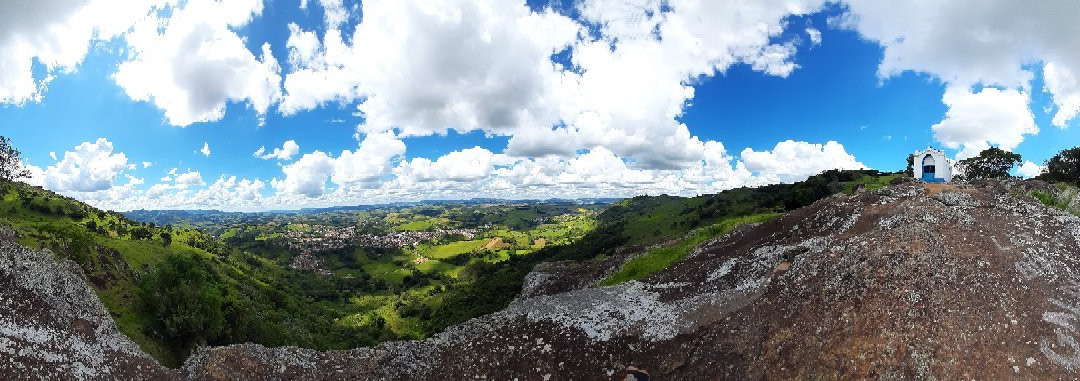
[{"x": 996, "y": 163}]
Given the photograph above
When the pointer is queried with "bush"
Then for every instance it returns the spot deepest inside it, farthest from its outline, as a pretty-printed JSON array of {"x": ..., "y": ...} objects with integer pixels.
[
  {"x": 992, "y": 163},
  {"x": 1063, "y": 167},
  {"x": 141, "y": 233},
  {"x": 74, "y": 243},
  {"x": 186, "y": 306},
  {"x": 1049, "y": 200}
]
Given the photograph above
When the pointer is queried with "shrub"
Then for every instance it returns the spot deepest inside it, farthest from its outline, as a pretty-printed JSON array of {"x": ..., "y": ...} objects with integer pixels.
[
  {"x": 185, "y": 304},
  {"x": 1063, "y": 167},
  {"x": 991, "y": 163}
]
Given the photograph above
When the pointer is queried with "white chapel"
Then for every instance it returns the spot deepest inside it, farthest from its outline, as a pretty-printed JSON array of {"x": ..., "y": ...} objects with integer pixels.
[{"x": 932, "y": 166}]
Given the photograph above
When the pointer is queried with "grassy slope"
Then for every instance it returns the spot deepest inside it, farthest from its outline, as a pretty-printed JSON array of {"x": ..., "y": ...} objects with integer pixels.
[
  {"x": 454, "y": 248},
  {"x": 638, "y": 221},
  {"x": 669, "y": 216},
  {"x": 303, "y": 310},
  {"x": 662, "y": 257},
  {"x": 46, "y": 220},
  {"x": 264, "y": 302},
  {"x": 1061, "y": 196}
]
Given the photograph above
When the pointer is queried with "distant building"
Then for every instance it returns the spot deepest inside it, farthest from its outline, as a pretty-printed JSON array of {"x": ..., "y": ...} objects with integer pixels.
[{"x": 932, "y": 166}]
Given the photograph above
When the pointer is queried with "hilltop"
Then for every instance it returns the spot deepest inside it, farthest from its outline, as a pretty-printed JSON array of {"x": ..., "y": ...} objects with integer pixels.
[
  {"x": 905, "y": 281},
  {"x": 172, "y": 288},
  {"x": 330, "y": 279},
  {"x": 909, "y": 281}
]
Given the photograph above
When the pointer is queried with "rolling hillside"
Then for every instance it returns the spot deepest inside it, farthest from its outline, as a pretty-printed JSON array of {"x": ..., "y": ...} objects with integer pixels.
[
  {"x": 903, "y": 281},
  {"x": 172, "y": 289}
]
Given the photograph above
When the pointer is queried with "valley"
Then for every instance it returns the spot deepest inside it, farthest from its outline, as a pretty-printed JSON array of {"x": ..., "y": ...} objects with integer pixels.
[
  {"x": 730, "y": 278},
  {"x": 342, "y": 278},
  {"x": 318, "y": 278}
]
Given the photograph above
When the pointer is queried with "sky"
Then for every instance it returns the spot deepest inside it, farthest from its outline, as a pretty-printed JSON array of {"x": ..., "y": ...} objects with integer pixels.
[{"x": 252, "y": 105}]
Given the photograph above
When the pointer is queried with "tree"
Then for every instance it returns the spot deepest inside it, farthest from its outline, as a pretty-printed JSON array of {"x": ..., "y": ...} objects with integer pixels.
[
  {"x": 183, "y": 301},
  {"x": 166, "y": 239},
  {"x": 10, "y": 165},
  {"x": 141, "y": 233},
  {"x": 910, "y": 170},
  {"x": 991, "y": 163},
  {"x": 1063, "y": 167}
]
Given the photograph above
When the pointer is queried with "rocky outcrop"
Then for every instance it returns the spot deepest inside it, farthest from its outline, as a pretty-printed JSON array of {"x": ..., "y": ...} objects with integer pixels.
[
  {"x": 53, "y": 327},
  {"x": 912, "y": 281}
]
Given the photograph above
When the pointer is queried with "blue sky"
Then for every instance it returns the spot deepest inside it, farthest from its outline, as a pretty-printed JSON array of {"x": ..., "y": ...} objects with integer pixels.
[{"x": 464, "y": 98}]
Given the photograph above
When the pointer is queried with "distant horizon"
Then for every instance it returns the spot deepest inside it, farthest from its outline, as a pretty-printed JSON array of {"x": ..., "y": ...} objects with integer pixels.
[
  {"x": 257, "y": 105},
  {"x": 392, "y": 204}
]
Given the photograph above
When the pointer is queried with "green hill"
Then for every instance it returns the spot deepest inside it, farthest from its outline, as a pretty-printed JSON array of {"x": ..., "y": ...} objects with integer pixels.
[
  {"x": 639, "y": 222},
  {"x": 171, "y": 288}
]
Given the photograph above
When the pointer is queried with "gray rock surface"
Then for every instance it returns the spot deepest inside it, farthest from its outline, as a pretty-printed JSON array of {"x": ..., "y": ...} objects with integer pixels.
[{"x": 53, "y": 327}]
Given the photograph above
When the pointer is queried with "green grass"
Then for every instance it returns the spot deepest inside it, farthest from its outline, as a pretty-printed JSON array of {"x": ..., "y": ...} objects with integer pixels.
[
  {"x": 663, "y": 257},
  {"x": 406, "y": 328},
  {"x": 263, "y": 236},
  {"x": 414, "y": 226},
  {"x": 123, "y": 306},
  {"x": 298, "y": 227},
  {"x": 432, "y": 265},
  {"x": 1061, "y": 199},
  {"x": 1048, "y": 199},
  {"x": 870, "y": 182},
  {"x": 454, "y": 249},
  {"x": 386, "y": 271},
  {"x": 421, "y": 225},
  {"x": 229, "y": 233},
  {"x": 657, "y": 222}
]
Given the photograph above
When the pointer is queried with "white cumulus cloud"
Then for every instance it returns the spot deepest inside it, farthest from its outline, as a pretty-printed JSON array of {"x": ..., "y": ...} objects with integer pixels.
[
  {"x": 791, "y": 161},
  {"x": 308, "y": 175},
  {"x": 286, "y": 152},
  {"x": 993, "y": 42},
  {"x": 976, "y": 120},
  {"x": 422, "y": 68},
  {"x": 426, "y": 67},
  {"x": 91, "y": 167},
  {"x": 192, "y": 63},
  {"x": 57, "y": 34},
  {"x": 190, "y": 178},
  {"x": 466, "y": 165},
  {"x": 815, "y": 35},
  {"x": 1029, "y": 169}
]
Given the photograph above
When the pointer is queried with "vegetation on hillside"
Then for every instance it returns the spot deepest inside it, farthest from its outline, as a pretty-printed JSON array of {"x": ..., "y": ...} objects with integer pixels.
[
  {"x": 991, "y": 163},
  {"x": 173, "y": 288},
  {"x": 164, "y": 284},
  {"x": 1063, "y": 167},
  {"x": 640, "y": 221},
  {"x": 179, "y": 280},
  {"x": 664, "y": 256},
  {"x": 10, "y": 165}
]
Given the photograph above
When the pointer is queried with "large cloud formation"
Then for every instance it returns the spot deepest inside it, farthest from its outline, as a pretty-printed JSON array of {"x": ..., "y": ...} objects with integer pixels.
[
  {"x": 422, "y": 68},
  {"x": 191, "y": 63},
  {"x": 981, "y": 43},
  {"x": 184, "y": 56},
  {"x": 589, "y": 99},
  {"x": 91, "y": 167},
  {"x": 603, "y": 119},
  {"x": 57, "y": 34}
]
